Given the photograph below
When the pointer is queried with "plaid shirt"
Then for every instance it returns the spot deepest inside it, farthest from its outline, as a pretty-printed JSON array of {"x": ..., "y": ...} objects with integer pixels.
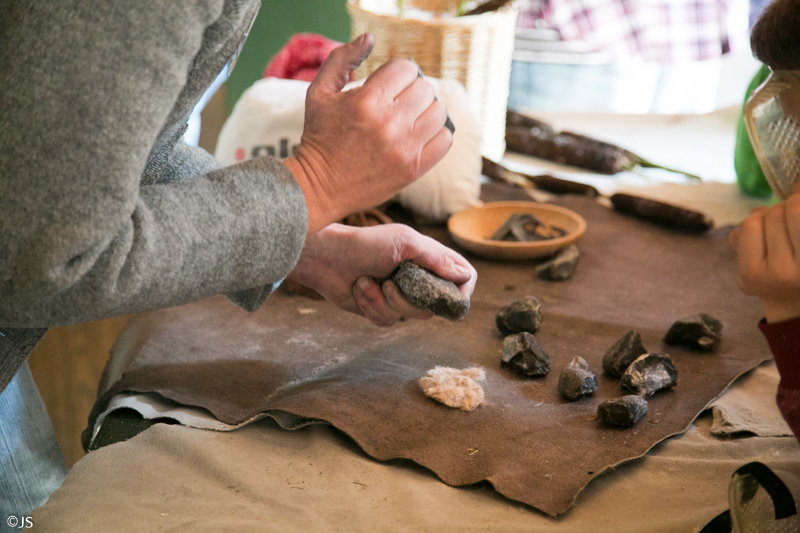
[{"x": 663, "y": 31}]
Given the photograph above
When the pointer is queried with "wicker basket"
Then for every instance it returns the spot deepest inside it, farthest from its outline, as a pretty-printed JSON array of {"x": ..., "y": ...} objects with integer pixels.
[{"x": 476, "y": 50}]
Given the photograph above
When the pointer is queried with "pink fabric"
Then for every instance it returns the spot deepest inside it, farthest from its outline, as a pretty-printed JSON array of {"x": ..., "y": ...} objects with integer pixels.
[
  {"x": 664, "y": 31},
  {"x": 784, "y": 342},
  {"x": 301, "y": 57}
]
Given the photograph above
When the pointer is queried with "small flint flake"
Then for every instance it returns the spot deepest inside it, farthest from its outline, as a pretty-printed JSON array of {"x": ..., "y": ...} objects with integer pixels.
[
  {"x": 576, "y": 380},
  {"x": 522, "y": 315},
  {"x": 624, "y": 352},
  {"x": 523, "y": 354},
  {"x": 624, "y": 412},
  {"x": 428, "y": 291},
  {"x": 650, "y": 372},
  {"x": 560, "y": 267},
  {"x": 698, "y": 332},
  {"x": 525, "y": 227}
]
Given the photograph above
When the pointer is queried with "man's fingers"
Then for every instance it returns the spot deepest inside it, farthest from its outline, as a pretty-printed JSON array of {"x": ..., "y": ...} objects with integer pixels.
[
  {"x": 392, "y": 78},
  {"x": 335, "y": 72},
  {"x": 350, "y": 306},
  {"x": 430, "y": 122},
  {"x": 468, "y": 287},
  {"x": 435, "y": 149},
  {"x": 401, "y": 305},
  {"x": 415, "y": 99},
  {"x": 370, "y": 300},
  {"x": 439, "y": 259}
]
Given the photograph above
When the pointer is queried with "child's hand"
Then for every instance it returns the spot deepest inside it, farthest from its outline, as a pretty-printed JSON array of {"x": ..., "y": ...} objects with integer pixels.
[{"x": 767, "y": 246}]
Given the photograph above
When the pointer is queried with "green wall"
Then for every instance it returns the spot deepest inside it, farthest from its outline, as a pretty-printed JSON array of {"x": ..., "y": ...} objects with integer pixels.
[{"x": 276, "y": 22}]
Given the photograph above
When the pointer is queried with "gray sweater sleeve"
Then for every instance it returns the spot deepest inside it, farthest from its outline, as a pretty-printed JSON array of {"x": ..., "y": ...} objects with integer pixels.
[
  {"x": 187, "y": 162},
  {"x": 88, "y": 89}
]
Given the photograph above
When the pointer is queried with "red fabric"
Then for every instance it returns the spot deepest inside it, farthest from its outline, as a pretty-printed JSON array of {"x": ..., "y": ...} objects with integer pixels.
[
  {"x": 301, "y": 57},
  {"x": 784, "y": 341}
]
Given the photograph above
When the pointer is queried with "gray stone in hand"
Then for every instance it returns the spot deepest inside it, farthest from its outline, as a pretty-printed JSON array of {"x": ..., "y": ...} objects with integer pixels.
[
  {"x": 625, "y": 411},
  {"x": 577, "y": 380},
  {"x": 651, "y": 372},
  {"x": 624, "y": 352},
  {"x": 522, "y": 315},
  {"x": 428, "y": 291},
  {"x": 523, "y": 354}
]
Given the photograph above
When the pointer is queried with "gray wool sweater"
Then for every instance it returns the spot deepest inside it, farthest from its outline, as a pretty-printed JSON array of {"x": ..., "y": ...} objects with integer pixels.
[{"x": 103, "y": 210}]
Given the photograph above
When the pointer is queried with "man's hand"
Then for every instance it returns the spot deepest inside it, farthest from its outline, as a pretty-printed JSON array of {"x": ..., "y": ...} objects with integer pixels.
[
  {"x": 350, "y": 266},
  {"x": 360, "y": 147},
  {"x": 767, "y": 246}
]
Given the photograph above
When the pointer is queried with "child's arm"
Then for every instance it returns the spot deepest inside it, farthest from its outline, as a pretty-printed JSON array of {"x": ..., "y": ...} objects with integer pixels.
[
  {"x": 767, "y": 245},
  {"x": 784, "y": 341}
]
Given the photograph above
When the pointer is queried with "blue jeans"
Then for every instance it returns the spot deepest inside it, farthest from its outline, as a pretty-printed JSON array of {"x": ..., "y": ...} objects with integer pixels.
[{"x": 31, "y": 463}]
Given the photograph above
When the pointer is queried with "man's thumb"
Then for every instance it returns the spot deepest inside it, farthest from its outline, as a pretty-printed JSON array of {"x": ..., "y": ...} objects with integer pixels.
[{"x": 335, "y": 72}]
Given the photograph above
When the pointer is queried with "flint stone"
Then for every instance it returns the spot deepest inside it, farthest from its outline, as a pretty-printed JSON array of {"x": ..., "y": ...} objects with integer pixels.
[
  {"x": 624, "y": 352},
  {"x": 522, "y": 315},
  {"x": 428, "y": 291},
  {"x": 624, "y": 412},
  {"x": 577, "y": 380},
  {"x": 650, "y": 372},
  {"x": 562, "y": 266},
  {"x": 523, "y": 354},
  {"x": 698, "y": 332},
  {"x": 525, "y": 227}
]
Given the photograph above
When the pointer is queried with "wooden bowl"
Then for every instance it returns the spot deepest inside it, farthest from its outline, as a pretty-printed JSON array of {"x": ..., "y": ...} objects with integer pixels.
[{"x": 472, "y": 228}]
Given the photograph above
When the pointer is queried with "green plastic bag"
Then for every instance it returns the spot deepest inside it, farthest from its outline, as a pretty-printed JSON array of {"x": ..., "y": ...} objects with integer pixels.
[{"x": 749, "y": 175}]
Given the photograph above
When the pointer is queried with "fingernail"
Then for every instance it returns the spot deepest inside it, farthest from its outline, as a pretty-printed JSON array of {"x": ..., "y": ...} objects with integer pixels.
[
  {"x": 385, "y": 289},
  {"x": 461, "y": 270},
  {"x": 448, "y": 123},
  {"x": 362, "y": 284},
  {"x": 420, "y": 74},
  {"x": 360, "y": 39}
]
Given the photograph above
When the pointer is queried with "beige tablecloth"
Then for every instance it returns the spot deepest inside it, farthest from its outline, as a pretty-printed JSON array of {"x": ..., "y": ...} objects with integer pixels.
[{"x": 263, "y": 478}]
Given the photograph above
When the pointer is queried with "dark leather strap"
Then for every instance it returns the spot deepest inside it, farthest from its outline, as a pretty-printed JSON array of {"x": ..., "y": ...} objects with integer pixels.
[
  {"x": 720, "y": 524},
  {"x": 782, "y": 498}
]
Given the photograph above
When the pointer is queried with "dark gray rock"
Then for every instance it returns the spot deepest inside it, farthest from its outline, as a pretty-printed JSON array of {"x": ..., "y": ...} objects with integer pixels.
[
  {"x": 650, "y": 372},
  {"x": 624, "y": 412},
  {"x": 428, "y": 291},
  {"x": 576, "y": 380},
  {"x": 522, "y": 315},
  {"x": 562, "y": 266},
  {"x": 624, "y": 352},
  {"x": 698, "y": 332},
  {"x": 523, "y": 354}
]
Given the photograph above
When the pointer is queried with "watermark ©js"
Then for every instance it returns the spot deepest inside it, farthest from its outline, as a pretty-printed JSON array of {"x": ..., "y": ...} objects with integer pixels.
[{"x": 19, "y": 522}]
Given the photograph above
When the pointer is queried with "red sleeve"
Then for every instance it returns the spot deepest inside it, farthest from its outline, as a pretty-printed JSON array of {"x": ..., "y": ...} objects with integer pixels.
[{"x": 784, "y": 342}]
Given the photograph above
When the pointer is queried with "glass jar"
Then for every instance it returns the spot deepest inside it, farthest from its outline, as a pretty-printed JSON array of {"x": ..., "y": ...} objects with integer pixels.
[{"x": 772, "y": 118}]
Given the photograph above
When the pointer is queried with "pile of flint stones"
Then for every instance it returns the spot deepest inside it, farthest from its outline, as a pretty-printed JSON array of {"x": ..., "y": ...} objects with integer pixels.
[
  {"x": 646, "y": 373},
  {"x": 522, "y": 352},
  {"x": 641, "y": 372},
  {"x": 525, "y": 355}
]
